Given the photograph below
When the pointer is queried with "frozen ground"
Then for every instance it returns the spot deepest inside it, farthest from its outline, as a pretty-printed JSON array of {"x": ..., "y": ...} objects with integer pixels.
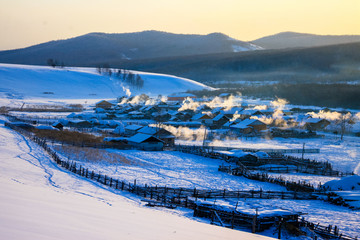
[{"x": 40, "y": 201}]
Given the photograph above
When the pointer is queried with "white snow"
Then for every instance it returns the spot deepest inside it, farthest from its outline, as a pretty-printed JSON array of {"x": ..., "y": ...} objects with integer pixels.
[
  {"x": 40, "y": 201},
  {"x": 26, "y": 83},
  {"x": 346, "y": 183}
]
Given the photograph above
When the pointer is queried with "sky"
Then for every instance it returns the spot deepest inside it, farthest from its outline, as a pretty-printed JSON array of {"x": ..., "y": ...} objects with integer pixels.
[{"x": 27, "y": 22}]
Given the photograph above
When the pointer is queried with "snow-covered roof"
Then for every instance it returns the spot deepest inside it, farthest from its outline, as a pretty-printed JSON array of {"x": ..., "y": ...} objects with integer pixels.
[
  {"x": 148, "y": 130},
  {"x": 246, "y": 123},
  {"x": 236, "y": 153},
  {"x": 219, "y": 116},
  {"x": 140, "y": 137},
  {"x": 199, "y": 116},
  {"x": 115, "y": 139},
  {"x": 314, "y": 120},
  {"x": 45, "y": 127},
  {"x": 133, "y": 127}
]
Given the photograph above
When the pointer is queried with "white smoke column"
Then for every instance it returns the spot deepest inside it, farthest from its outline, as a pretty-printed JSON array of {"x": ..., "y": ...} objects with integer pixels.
[
  {"x": 151, "y": 101},
  {"x": 135, "y": 100},
  {"x": 232, "y": 101},
  {"x": 358, "y": 116},
  {"x": 264, "y": 119},
  {"x": 215, "y": 102},
  {"x": 279, "y": 103},
  {"x": 186, "y": 133},
  {"x": 331, "y": 116},
  {"x": 126, "y": 90},
  {"x": 235, "y": 116},
  {"x": 261, "y": 107},
  {"x": 123, "y": 101},
  {"x": 189, "y": 104}
]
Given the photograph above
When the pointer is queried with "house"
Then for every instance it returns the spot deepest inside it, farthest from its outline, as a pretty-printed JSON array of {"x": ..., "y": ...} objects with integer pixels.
[
  {"x": 132, "y": 129},
  {"x": 249, "y": 125},
  {"x": 180, "y": 96},
  {"x": 167, "y": 137},
  {"x": 80, "y": 124},
  {"x": 202, "y": 117},
  {"x": 104, "y": 105},
  {"x": 247, "y": 113},
  {"x": 315, "y": 124},
  {"x": 146, "y": 142},
  {"x": 219, "y": 121},
  {"x": 230, "y": 112}
]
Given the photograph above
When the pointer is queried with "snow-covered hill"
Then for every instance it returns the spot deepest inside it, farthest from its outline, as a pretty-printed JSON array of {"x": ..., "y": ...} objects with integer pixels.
[
  {"x": 39, "y": 200},
  {"x": 26, "y": 82}
]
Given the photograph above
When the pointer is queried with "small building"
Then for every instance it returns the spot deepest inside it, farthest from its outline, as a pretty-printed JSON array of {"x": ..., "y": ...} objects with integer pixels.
[
  {"x": 146, "y": 142},
  {"x": 80, "y": 124},
  {"x": 167, "y": 137},
  {"x": 202, "y": 117},
  {"x": 315, "y": 124},
  {"x": 180, "y": 96},
  {"x": 219, "y": 121},
  {"x": 249, "y": 125},
  {"x": 104, "y": 105}
]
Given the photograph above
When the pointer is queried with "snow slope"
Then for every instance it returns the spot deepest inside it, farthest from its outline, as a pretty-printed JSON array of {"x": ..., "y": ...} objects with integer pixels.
[
  {"x": 40, "y": 201},
  {"x": 26, "y": 82}
]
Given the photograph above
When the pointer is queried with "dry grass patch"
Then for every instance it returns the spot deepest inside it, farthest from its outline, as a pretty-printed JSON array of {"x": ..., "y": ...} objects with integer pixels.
[
  {"x": 67, "y": 136},
  {"x": 94, "y": 155}
]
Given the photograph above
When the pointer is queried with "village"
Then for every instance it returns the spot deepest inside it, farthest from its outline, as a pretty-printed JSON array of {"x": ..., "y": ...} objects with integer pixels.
[
  {"x": 186, "y": 124},
  {"x": 152, "y": 124}
]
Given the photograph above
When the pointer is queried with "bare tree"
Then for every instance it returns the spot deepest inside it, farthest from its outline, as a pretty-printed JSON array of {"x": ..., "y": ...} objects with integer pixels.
[{"x": 344, "y": 123}]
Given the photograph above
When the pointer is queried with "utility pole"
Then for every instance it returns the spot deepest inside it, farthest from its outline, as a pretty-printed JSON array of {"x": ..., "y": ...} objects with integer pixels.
[{"x": 303, "y": 152}]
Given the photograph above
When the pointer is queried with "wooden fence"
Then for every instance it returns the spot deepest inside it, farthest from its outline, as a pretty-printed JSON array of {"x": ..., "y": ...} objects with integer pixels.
[
  {"x": 169, "y": 197},
  {"x": 302, "y": 165}
]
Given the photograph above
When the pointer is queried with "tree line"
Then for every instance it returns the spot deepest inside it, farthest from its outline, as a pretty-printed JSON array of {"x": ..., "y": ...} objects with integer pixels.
[{"x": 131, "y": 79}]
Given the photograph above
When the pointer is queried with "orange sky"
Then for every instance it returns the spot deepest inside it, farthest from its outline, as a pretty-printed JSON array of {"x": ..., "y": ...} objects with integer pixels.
[{"x": 28, "y": 22}]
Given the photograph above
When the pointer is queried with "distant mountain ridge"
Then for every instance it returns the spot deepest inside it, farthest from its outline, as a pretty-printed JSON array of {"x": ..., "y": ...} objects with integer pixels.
[
  {"x": 92, "y": 48},
  {"x": 296, "y": 40}
]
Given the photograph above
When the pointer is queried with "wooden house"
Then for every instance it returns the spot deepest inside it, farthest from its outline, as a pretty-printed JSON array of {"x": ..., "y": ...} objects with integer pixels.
[
  {"x": 146, "y": 142},
  {"x": 167, "y": 137},
  {"x": 104, "y": 105},
  {"x": 248, "y": 126},
  {"x": 315, "y": 124},
  {"x": 219, "y": 120},
  {"x": 202, "y": 117}
]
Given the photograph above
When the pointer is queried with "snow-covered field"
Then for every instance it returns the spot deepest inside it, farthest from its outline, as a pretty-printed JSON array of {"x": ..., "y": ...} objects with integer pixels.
[
  {"x": 40, "y": 201},
  {"x": 173, "y": 169},
  {"x": 39, "y": 84},
  {"x": 343, "y": 155}
]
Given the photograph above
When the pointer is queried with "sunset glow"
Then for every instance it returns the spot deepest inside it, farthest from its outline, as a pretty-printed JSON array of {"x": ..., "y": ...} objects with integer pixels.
[{"x": 24, "y": 22}]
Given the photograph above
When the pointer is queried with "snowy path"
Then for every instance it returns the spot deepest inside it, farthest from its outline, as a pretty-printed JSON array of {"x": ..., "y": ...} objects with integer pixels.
[{"x": 40, "y": 201}]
